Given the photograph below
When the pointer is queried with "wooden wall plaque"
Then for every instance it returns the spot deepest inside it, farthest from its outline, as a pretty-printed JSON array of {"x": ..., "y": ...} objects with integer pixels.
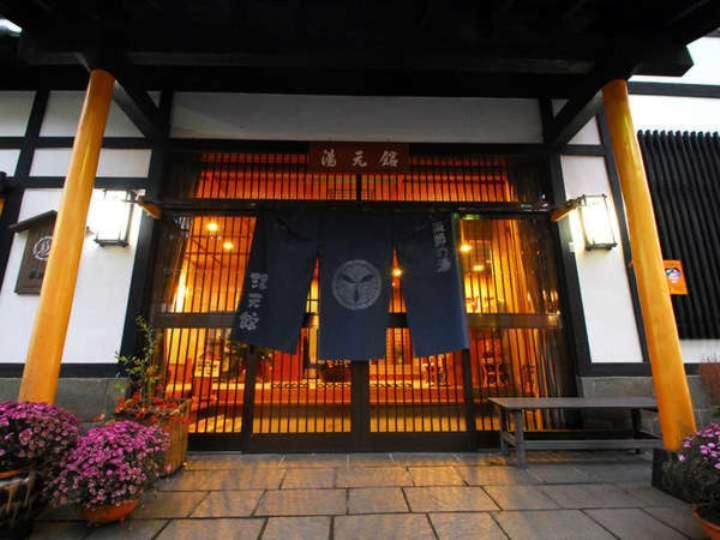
[{"x": 37, "y": 251}]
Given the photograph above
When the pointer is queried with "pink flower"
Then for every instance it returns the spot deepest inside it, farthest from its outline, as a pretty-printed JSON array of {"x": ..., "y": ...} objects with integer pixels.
[{"x": 109, "y": 463}]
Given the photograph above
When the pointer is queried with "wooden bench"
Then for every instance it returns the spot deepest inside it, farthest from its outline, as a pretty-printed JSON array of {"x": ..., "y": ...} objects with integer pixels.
[{"x": 516, "y": 406}]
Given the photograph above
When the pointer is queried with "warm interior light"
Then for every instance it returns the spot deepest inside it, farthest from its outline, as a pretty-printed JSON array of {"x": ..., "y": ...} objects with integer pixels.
[
  {"x": 478, "y": 267},
  {"x": 596, "y": 222},
  {"x": 228, "y": 245},
  {"x": 180, "y": 293},
  {"x": 397, "y": 272},
  {"x": 212, "y": 227},
  {"x": 465, "y": 248}
]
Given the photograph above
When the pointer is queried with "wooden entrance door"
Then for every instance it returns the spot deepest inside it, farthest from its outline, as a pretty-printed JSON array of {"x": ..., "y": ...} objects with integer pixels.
[{"x": 260, "y": 400}]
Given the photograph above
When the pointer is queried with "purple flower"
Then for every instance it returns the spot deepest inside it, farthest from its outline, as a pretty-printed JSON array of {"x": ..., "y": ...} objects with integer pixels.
[
  {"x": 110, "y": 464},
  {"x": 30, "y": 433}
]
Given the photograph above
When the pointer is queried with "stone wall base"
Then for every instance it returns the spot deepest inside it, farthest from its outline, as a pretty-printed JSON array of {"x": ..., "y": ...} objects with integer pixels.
[
  {"x": 638, "y": 387},
  {"x": 91, "y": 397},
  {"x": 87, "y": 398}
]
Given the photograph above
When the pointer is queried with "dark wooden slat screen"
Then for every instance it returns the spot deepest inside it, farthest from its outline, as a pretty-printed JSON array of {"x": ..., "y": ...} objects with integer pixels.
[{"x": 683, "y": 170}]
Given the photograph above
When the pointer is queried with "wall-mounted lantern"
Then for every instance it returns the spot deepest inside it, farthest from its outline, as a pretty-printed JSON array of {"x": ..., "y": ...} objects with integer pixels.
[
  {"x": 595, "y": 219},
  {"x": 113, "y": 216}
]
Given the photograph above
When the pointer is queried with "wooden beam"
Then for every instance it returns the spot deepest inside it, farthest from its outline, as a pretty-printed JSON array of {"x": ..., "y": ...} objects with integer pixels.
[
  {"x": 151, "y": 209},
  {"x": 572, "y": 117},
  {"x": 673, "y": 64},
  {"x": 137, "y": 105},
  {"x": 128, "y": 91},
  {"x": 585, "y": 102}
]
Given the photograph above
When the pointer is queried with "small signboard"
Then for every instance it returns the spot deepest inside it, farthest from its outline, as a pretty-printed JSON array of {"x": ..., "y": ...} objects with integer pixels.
[
  {"x": 37, "y": 250},
  {"x": 676, "y": 277},
  {"x": 368, "y": 158}
]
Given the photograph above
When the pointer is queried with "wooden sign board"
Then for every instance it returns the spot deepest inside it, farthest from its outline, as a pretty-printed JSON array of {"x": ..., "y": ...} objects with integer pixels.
[
  {"x": 676, "y": 277},
  {"x": 37, "y": 251},
  {"x": 358, "y": 158}
]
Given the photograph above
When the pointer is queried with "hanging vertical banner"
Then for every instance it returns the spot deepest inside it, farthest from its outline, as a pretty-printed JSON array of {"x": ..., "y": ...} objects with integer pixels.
[
  {"x": 431, "y": 283},
  {"x": 277, "y": 279},
  {"x": 355, "y": 260}
]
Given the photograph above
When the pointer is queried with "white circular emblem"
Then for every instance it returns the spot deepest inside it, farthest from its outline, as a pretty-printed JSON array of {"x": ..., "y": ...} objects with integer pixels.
[
  {"x": 356, "y": 284},
  {"x": 41, "y": 249}
]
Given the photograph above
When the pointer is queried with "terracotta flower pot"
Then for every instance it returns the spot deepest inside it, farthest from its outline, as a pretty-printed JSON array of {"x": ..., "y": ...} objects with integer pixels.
[
  {"x": 110, "y": 513},
  {"x": 710, "y": 528}
]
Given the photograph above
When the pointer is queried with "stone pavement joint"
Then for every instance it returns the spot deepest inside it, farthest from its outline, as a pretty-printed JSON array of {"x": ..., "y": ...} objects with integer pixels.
[{"x": 562, "y": 495}]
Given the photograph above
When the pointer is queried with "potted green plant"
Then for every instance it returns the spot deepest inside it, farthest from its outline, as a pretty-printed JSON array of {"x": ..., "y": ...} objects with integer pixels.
[
  {"x": 33, "y": 439},
  {"x": 694, "y": 476},
  {"x": 146, "y": 402},
  {"x": 108, "y": 470}
]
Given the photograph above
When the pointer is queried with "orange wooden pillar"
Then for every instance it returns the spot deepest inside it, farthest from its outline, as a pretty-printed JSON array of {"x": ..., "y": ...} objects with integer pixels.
[
  {"x": 42, "y": 366},
  {"x": 677, "y": 419}
]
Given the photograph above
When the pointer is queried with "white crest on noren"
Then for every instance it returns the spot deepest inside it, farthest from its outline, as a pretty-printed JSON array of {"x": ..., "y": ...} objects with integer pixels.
[{"x": 356, "y": 284}]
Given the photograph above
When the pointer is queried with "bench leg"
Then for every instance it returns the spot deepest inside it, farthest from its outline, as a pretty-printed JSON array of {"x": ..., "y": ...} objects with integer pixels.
[
  {"x": 503, "y": 428},
  {"x": 520, "y": 451},
  {"x": 636, "y": 425}
]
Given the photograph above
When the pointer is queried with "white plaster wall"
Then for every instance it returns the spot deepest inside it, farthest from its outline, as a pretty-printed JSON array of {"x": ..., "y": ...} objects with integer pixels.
[
  {"x": 8, "y": 161},
  {"x": 697, "y": 350},
  {"x": 15, "y": 112},
  {"x": 705, "y": 53},
  {"x": 606, "y": 296},
  {"x": 676, "y": 113},
  {"x": 100, "y": 300},
  {"x": 63, "y": 111},
  {"x": 113, "y": 162},
  {"x": 588, "y": 134},
  {"x": 397, "y": 119}
]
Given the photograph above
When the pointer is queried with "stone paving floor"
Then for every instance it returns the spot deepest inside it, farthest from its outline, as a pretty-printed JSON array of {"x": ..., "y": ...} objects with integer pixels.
[{"x": 397, "y": 496}]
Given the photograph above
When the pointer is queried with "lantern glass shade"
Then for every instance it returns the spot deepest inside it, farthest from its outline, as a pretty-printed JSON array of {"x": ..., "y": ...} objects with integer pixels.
[
  {"x": 113, "y": 214},
  {"x": 596, "y": 222}
]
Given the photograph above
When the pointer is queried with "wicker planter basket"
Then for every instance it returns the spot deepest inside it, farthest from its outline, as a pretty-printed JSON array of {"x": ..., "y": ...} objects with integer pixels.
[
  {"x": 177, "y": 430},
  {"x": 20, "y": 501},
  {"x": 176, "y": 426}
]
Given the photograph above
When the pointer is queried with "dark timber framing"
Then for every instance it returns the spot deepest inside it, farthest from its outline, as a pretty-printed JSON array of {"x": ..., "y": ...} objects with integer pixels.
[
  {"x": 141, "y": 280},
  {"x": 13, "y": 203},
  {"x": 674, "y": 89},
  {"x": 128, "y": 91},
  {"x": 570, "y": 294},
  {"x": 142, "y": 269},
  {"x": 579, "y": 343}
]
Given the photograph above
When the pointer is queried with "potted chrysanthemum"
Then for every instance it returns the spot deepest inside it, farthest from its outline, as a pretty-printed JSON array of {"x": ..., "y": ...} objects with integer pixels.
[
  {"x": 694, "y": 475},
  {"x": 33, "y": 439},
  {"x": 33, "y": 435},
  {"x": 108, "y": 470}
]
